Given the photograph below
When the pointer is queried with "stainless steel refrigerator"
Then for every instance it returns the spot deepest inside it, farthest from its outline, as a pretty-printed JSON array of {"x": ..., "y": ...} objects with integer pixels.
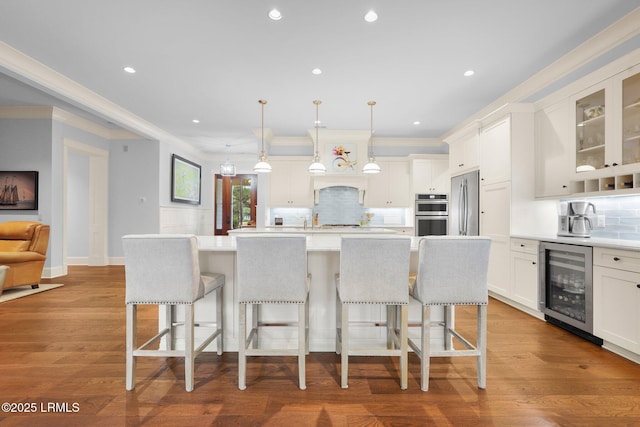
[{"x": 464, "y": 206}]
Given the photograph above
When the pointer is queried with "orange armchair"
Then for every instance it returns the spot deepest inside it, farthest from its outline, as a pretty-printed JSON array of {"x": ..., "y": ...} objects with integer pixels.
[{"x": 23, "y": 248}]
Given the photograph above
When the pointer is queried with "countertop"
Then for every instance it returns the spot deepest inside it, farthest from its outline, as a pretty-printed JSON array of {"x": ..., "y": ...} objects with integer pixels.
[
  {"x": 317, "y": 242},
  {"x": 633, "y": 245},
  {"x": 314, "y": 230}
]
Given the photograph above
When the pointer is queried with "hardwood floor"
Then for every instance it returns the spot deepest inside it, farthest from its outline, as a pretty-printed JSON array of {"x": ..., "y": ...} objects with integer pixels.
[{"x": 66, "y": 347}]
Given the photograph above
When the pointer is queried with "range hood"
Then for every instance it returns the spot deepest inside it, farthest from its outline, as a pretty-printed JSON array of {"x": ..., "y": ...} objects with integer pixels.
[{"x": 323, "y": 181}]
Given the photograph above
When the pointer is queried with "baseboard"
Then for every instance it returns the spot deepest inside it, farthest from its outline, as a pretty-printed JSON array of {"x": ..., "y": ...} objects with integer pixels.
[
  {"x": 51, "y": 272},
  {"x": 535, "y": 313}
]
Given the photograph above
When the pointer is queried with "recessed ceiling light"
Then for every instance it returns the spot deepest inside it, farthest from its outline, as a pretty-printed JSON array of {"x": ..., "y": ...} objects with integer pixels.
[
  {"x": 316, "y": 71},
  {"x": 417, "y": 122},
  {"x": 129, "y": 70},
  {"x": 371, "y": 16},
  {"x": 469, "y": 73},
  {"x": 195, "y": 121},
  {"x": 275, "y": 15}
]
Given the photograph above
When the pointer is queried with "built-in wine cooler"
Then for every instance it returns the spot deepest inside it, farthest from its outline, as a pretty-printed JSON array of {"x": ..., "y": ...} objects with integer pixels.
[{"x": 566, "y": 287}]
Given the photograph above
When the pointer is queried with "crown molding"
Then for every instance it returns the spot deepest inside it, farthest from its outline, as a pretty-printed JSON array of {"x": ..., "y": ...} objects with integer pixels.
[
  {"x": 29, "y": 70},
  {"x": 31, "y": 112}
]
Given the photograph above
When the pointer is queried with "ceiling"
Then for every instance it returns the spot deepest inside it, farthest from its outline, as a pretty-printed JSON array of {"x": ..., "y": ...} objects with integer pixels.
[{"x": 212, "y": 60}]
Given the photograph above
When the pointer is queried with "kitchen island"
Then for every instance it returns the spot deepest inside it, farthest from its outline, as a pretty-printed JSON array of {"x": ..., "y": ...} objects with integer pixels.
[{"x": 218, "y": 253}]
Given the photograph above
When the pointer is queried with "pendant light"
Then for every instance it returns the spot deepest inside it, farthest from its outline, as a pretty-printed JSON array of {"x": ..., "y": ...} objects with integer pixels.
[
  {"x": 262, "y": 166},
  {"x": 317, "y": 168},
  {"x": 372, "y": 166},
  {"x": 227, "y": 168}
]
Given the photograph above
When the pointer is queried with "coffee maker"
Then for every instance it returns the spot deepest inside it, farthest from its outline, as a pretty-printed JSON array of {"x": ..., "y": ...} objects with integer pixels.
[{"x": 573, "y": 220}]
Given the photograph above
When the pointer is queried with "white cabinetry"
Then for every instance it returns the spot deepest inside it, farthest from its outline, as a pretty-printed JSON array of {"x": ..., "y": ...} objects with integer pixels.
[
  {"x": 616, "y": 298},
  {"x": 494, "y": 223},
  {"x": 495, "y": 153},
  {"x": 463, "y": 151},
  {"x": 553, "y": 150},
  {"x": 389, "y": 188},
  {"x": 430, "y": 176},
  {"x": 524, "y": 272},
  {"x": 506, "y": 144},
  {"x": 290, "y": 184}
]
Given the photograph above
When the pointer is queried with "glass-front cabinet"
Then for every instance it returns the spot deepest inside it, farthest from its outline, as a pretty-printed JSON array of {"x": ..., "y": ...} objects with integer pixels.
[
  {"x": 607, "y": 135},
  {"x": 631, "y": 120},
  {"x": 591, "y": 131}
]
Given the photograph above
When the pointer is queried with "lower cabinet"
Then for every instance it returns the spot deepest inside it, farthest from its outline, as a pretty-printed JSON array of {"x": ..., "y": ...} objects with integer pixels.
[
  {"x": 616, "y": 298},
  {"x": 524, "y": 272}
]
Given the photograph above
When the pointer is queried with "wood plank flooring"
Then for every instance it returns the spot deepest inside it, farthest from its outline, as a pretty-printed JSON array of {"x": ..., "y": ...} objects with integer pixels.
[{"x": 63, "y": 351}]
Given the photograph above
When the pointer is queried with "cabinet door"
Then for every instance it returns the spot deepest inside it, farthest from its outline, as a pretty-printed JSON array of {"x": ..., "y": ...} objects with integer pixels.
[
  {"x": 495, "y": 152},
  {"x": 290, "y": 184},
  {"x": 524, "y": 279},
  {"x": 495, "y": 208},
  {"x": 463, "y": 154},
  {"x": 593, "y": 138},
  {"x": 553, "y": 150},
  {"x": 616, "y": 299},
  {"x": 630, "y": 86},
  {"x": 431, "y": 176},
  {"x": 440, "y": 179},
  {"x": 389, "y": 188}
]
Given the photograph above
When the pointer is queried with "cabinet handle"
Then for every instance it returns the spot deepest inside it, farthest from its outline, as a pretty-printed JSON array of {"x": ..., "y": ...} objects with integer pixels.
[
  {"x": 521, "y": 245},
  {"x": 638, "y": 286},
  {"x": 460, "y": 165},
  {"x": 606, "y": 165},
  {"x": 564, "y": 186},
  {"x": 533, "y": 262},
  {"x": 615, "y": 258},
  {"x": 615, "y": 164}
]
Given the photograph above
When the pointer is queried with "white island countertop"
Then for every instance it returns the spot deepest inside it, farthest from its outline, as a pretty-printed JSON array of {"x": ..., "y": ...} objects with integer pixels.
[
  {"x": 316, "y": 242},
  {"x": 315, "y": 230}
]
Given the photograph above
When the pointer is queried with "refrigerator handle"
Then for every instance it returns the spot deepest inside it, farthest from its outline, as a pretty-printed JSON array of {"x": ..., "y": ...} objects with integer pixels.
[
  {"x": 466, "y": 209},
  {"x": 460, "y": 207}
]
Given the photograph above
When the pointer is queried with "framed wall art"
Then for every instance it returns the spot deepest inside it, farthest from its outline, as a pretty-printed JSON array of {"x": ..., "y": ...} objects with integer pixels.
[
  {"x": 185, "y": 181},
  {"x": 19, "y": 190}
]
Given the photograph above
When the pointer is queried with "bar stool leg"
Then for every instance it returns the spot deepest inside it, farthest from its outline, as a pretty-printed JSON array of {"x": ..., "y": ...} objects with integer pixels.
[
  {"x": 425, "y": 348},
  {"x": 189, "y": 358},
  {"x": 482, "y": 346},
  {"x": 242, "y": 338},
  {"x": 132, "y": 344},
  {"x": 345, "y": 346},
  {"x": 219, "y": 317},
  {"x": 404, "y": 356},
  {"x": 302, "y": 345}
]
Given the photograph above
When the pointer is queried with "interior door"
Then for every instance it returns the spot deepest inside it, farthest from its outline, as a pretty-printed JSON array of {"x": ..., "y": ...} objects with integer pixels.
[{"x": 236, "y": 199}]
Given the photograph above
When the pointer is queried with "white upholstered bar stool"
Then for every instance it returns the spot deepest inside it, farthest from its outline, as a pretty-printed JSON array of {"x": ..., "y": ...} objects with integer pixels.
[
  {"x": 373, "y": 270},
  {"x": 163, "y": 269},
  {"x": 452, "y": 270},
  {"x": 271, "y": 270}
]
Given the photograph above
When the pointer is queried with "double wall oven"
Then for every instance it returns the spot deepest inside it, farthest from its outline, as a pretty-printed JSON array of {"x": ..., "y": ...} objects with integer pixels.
[{"x": 431, "y": 215}]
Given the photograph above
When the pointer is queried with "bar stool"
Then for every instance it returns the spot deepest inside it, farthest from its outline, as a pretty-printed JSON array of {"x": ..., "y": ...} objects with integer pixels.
[
  {"x": 163, "y": 269},
  {"x": 373, "y": 270},
  {"x": 271, "y": 270},
  {"x": 452, "y": 270}
]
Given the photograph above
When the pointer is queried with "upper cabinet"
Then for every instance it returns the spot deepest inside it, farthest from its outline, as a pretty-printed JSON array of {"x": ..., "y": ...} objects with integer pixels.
[
  {"x": 430, "y": 175},
  {"x": 552, "y": 150},
  {"x": 463, "y": 151},
  {"x": 390, "y": 187},
  {"x": 631, "y": 116},
  {"x": 495, "y": 152},
  {"x": 607, "y": 136},
  {"x": 290, "y": 184},
  {"x": 595, "y": 146}
]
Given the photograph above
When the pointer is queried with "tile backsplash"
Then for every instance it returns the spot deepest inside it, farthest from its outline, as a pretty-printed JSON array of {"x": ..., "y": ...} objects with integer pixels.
[
  {"x": 621, "y": 217},
  {"x": 340, "y": 205}
]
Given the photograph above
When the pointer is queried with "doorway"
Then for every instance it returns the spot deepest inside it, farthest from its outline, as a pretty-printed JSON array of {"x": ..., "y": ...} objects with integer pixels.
[{"x": 235, "y": 204}]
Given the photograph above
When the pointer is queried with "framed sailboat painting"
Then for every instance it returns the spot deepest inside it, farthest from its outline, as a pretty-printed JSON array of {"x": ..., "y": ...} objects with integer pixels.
[{"x": 19, "y": 190}]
